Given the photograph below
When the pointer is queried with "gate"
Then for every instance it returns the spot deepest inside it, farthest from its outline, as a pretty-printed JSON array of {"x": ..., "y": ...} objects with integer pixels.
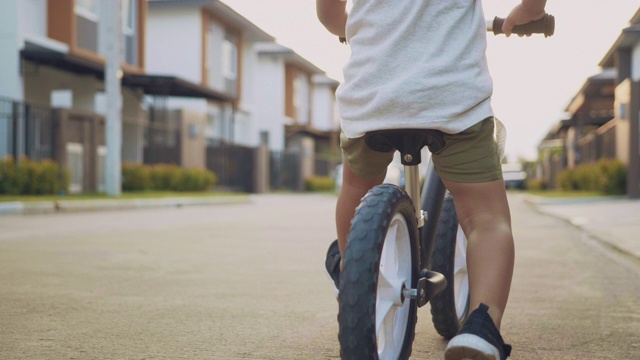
[
  {"x": 284, "y": 171},
  {"x": 233, "y": 165}
]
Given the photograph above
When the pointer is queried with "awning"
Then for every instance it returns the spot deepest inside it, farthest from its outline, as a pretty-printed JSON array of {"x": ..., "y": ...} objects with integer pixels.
[
  {"x": 163, "y": 85},
  {"x": 172, "y": 86}
]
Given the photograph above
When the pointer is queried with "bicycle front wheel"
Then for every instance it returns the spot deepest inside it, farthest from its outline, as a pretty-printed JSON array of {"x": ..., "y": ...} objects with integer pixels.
[{"x": 376, "y": 321}]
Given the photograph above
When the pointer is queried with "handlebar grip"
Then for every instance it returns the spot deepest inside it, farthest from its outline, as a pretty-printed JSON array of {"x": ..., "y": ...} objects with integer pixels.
[{"x": 545, "y": 26}]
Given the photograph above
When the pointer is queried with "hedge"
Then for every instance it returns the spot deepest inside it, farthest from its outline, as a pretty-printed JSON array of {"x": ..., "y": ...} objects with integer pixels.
[
  {"x": 607, "y": 175},
  {"x": 165, "y": 177},
  {"x": 32, "y": 178},
  {"x": 320, "y": 183}
]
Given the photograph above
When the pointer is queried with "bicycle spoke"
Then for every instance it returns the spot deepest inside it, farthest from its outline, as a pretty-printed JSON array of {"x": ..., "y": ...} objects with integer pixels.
[
  {"x": 389, "y": 259},
  {"x": 385, "y": 327}
]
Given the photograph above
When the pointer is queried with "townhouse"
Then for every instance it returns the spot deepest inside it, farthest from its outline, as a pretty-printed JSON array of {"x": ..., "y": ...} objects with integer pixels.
[
  {"x": 53, "y": 57},
  {"x": 198, "y": 90},
  {"x": 278, "y": 101},
  {"x": 604, "y": 117}
]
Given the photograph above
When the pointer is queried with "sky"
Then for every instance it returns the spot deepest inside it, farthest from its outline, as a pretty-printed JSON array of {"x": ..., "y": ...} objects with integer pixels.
[{"x": 534, "y": 78}]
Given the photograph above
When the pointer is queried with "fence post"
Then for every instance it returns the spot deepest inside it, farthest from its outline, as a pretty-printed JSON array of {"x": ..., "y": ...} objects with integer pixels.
[
  {"x": 16, "y": 131},
  {"x": 29, "y": 143},
  {"x": 261, "y": 169}
]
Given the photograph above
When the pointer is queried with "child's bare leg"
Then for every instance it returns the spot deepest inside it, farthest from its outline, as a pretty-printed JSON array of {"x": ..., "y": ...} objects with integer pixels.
[
  {"x": 483, "y": 213},
  {"x": 353, "y": 189}
]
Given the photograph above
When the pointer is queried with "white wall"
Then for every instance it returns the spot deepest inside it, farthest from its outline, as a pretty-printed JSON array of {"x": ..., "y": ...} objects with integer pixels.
[
  {"x": 269, "y": 99},
  {"x": 245, "y": 132},
  {"x": 174, "y": 43},
  {"x": 323, "y": 108},
  {"x": 33, "y": 17},
  {"x": 10, "y": 80}
]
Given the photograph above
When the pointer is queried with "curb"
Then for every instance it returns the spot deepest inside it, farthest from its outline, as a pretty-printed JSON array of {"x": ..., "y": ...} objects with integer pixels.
[
  {"x": 68, "y": 206},
  {"x": 579, "y": 223}
]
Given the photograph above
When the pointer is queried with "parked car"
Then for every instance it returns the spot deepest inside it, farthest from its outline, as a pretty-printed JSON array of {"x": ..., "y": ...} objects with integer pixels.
[{"x": 514, "y": 176}]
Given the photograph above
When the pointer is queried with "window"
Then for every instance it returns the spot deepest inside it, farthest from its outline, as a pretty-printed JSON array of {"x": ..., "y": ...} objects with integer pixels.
[
  {"x": 87, "y": 17},
  {"x": 129, "y": 34},
  {"x": 230, "y": 62},
  {"x": 87, "y": 9},
  {"x": 264, "y": 138}
]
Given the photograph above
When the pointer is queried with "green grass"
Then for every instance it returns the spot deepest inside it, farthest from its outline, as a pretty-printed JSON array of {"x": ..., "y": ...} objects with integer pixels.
[
  {"x": 124, "y": 195},
  {"x": 565, "y": 194}
]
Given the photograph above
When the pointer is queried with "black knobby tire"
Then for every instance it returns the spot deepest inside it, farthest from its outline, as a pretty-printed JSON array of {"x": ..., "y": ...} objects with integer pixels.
[
  {"x": 359, "y": 278},
  {"x": 446, "y": 319}
]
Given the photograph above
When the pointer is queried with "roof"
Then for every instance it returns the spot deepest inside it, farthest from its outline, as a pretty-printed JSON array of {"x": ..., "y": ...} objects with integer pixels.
[
  {"x": 290, "y": 56},
  {"x": 232, "y": 17},
  {"x": 322, "y": 79},
  {"x": 627, "y": 39},
  {"x": 593, "y": 87},
  {"x": 150, "y": 84}
]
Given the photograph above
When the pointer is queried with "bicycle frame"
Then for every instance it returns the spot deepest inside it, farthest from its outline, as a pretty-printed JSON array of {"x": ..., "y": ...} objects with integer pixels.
[
  {"x": 432, "y": 197},
  {"x": 427, "y": 202}
]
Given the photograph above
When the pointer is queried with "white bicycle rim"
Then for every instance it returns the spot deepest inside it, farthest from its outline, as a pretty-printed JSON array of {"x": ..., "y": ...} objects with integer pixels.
[
  {"x": 392, "y": 311},
  {"x": 460, "y": 275}
]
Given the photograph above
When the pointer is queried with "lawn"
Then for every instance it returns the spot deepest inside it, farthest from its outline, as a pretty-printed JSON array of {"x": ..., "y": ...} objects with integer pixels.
[
  {"x": 565, "y": 194},
  {"x": 124, "y": 195}
]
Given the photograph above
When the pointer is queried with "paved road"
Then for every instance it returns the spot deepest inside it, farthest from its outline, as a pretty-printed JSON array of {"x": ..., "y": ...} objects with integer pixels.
[{"x": 246, "y": 282}]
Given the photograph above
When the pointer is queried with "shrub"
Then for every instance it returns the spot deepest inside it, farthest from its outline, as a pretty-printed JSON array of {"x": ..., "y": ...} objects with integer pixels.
[
  {"x": 320, "y": 183},
  {"x": 135, "y": 177},
  {"x": 165, "y": 177},
  {"x": 607, "y": 175},
  {"x": 195, "y": 180},
  {"x": 614, "y": 176},
  {"x": 32, "y": 178},
  {"x": 536, "y": 184}
]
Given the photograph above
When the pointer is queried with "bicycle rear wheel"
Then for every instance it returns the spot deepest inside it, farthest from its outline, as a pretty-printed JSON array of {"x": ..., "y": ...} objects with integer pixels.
[
  {"x": 376, "y": 321},
  {"x": 450, "y": 308}
]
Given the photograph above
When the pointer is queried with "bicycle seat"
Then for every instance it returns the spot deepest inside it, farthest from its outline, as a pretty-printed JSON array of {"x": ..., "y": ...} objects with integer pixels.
[{"x": 407, "y": 141}]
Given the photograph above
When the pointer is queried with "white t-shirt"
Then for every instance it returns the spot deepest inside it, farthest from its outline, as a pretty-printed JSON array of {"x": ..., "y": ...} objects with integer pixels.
[{"x": 415, "y": 64}]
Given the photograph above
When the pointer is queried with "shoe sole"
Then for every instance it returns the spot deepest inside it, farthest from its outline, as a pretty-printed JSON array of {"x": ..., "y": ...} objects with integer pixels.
[{"x": 470, "y": 347}]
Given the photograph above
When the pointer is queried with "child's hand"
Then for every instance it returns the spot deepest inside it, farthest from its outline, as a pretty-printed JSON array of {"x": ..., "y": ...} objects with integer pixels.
[{"x": 524, "y": 13}]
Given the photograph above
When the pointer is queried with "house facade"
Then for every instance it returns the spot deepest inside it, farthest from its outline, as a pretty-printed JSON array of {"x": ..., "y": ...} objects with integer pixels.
[
  {"x": 624, "y": 56},
  {"x": 192, "y": 77},
  {"x": 53, "y": 57},
  {"x": 276, "y": 100},
  {"x": 604, "y": 116}
]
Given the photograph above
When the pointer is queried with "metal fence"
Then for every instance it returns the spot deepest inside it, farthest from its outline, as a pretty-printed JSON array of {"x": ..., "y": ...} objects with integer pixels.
[
  {"x": 284, "y": 171},
  {"x": 234, "y": 165},
  {"x": 26, "y": 130},
  {"x": 598, "y": 144},
  {"x": 162, "y": 144}
]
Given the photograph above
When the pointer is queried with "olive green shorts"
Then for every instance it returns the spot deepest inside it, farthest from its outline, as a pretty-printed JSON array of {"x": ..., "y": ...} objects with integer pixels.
[{"x": 470, "y": 156}]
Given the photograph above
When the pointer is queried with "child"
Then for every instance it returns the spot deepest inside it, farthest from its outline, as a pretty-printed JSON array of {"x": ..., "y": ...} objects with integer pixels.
[{"x": 422, "y": 64}]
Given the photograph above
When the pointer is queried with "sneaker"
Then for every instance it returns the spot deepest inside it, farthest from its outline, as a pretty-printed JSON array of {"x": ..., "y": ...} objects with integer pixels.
[
  {"x": 332, "y": 265},
  {"x": 479, "y": 339}
]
